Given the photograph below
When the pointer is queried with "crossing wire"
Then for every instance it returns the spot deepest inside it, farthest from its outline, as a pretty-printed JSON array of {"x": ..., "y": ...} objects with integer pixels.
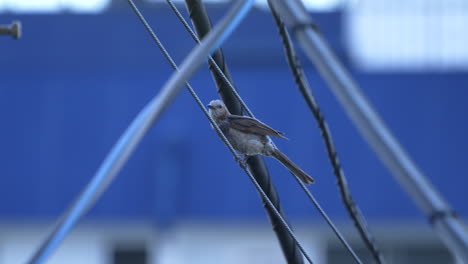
[
  {"x": 308, "y": 193},
  {"x": 218, "y": 130}
]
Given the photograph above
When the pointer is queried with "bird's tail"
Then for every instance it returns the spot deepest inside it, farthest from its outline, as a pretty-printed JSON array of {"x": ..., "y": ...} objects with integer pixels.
[{"x": 305, "y": 178}]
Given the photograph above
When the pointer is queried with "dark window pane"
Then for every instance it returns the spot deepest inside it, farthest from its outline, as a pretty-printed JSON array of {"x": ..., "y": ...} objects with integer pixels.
[{"x": 134, "y": 255}]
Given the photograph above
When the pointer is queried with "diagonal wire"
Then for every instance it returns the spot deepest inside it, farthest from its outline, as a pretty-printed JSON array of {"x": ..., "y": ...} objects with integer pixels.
[
  {"x": 301, "y": 81},
  {"x": 220, "y": 72},
  {"x": 217, "y": 129},
  {"x": 329, "y": 221},
  {"x": 134, "y": 133},
  {"x": 212, "y": 61},
  {"x": 202, "y": 26},
  {"x": 374, "y": 130}
]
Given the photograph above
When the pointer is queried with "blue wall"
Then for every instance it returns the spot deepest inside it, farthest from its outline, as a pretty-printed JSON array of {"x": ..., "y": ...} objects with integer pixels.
[{"x": 73, "y": 83}]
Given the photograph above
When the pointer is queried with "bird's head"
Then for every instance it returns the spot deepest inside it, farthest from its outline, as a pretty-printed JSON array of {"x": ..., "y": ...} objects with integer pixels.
[{"x": 218, "y": 110}]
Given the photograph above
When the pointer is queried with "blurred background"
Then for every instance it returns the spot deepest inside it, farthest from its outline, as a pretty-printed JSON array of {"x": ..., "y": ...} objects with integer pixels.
[{"x": 83, "y": 69}]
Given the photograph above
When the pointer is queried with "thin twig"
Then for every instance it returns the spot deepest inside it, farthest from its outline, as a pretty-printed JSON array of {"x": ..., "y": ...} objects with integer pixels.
[{"x": 301, "y": 81}]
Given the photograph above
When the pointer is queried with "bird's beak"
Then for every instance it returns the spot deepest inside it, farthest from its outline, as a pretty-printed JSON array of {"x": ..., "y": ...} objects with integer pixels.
[{"x": 210, "y": 106}]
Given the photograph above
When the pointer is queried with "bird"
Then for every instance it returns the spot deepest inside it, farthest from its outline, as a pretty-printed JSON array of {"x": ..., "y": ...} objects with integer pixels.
[{"x": 249, "y": 137}]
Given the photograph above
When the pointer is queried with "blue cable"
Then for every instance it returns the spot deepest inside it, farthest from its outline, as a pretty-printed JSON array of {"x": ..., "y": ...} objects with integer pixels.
[
  {"x": 230, "y": 28},
  {"x": 124, "y": 147}
]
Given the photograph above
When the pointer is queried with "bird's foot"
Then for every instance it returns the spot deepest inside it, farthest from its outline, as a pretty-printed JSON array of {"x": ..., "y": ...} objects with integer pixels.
[{"x": 242, "y": 161}]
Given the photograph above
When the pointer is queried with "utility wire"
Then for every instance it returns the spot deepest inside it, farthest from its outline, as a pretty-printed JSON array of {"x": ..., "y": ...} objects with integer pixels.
[
  {"x": 228, "y": 82},
  {"x": 329, "y": 222},
  {"x": 212, "y": 61},
  {"x": 218, "y": 130},
  {"x": 439, "y": 213},
  {"x": 132, "y": 136},
  {"x": 224, "y": 84},
  {"x": 301, "y": 81}
]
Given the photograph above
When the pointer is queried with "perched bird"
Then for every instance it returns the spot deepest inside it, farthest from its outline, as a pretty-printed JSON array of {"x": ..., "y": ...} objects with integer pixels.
[{"x": 250, "y": 137}]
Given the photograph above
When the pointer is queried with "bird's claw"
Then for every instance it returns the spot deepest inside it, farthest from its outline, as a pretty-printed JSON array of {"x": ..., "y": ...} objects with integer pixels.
[{"x": 242, "y": 161}]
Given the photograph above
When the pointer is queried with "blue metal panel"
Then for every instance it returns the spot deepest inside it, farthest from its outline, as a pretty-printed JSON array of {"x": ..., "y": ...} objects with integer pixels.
[{"x": 73, "y": 83}]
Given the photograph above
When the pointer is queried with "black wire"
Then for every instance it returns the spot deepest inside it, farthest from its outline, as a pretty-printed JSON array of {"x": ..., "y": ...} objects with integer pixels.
[
  {"x": 228, "y": 93},
  {"x": 309, "y": 195},
  {"x": 221, "y": 135},
  {"x": 353, "y": 210},
  {"x": 329, "y": 222},
  {"x": 226, "y": 80}
]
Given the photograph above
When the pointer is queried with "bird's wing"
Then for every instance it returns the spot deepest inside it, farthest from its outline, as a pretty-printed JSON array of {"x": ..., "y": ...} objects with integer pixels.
[{"x": 253, "y": 126}]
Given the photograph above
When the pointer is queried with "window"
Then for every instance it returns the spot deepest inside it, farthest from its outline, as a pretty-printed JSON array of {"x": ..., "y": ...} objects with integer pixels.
[
  {"x": 53, "y": 6},
  {"x": 132, "y": 254},
  {"x": 417, "y": 35}
]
